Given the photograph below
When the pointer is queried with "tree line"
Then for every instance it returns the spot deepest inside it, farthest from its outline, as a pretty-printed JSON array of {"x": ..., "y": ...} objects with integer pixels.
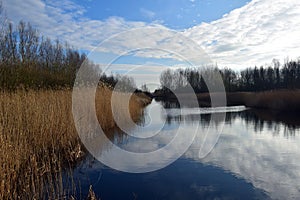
[
  {"x": 277, "y": 76},
  {"x": 29, "y": 60}
]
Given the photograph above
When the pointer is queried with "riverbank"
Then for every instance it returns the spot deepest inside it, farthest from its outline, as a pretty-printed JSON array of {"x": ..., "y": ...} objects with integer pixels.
[
  {"x": 38, "y": 139},
  {"x": 278, "y": 100}
]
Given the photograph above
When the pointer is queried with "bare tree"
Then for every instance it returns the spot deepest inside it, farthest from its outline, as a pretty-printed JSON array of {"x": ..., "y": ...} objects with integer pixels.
[{"x": 145, "y": 88}]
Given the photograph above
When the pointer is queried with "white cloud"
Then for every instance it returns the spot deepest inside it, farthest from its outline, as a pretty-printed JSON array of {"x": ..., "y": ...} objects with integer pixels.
[
  {"x": 148, "y": 73},
  {"x": 258, "y": 156},
  {"x": 64, "y": 19},
  {"x": 147, "y": 13},
  {"x": 155, "y": 41},
  {"x": 248, "y": 36},
  {"x": 254, "y": 34},
  {"x": 67, "y": 5}
]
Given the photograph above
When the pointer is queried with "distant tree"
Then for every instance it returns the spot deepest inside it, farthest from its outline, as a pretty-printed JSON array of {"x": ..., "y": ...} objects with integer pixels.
[
  {"x": 230, "y": 79},
  {"x": 270, "y": 79},
  {"x": 28, "y": 43},
  {"x": 145, "y": 88},
  {"x": 125, "y": 83},
  {"x": 249, "y": 79},
  {"x": 166, "y": 79},
  {"x": 256, "y": 79}
]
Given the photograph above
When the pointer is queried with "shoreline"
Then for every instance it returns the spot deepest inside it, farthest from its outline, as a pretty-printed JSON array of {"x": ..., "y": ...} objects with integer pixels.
[{"x": 277, "y": 100}]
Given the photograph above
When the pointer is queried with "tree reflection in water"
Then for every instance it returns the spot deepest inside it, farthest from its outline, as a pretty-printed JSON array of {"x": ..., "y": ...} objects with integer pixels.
[{"x": 261, "y": 119}]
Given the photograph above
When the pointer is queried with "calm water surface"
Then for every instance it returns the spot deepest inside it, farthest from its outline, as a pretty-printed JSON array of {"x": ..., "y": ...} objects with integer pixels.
[{"x": 256, "y": 157}]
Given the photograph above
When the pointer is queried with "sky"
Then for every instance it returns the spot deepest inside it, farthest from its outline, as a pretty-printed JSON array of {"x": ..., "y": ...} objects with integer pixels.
[
  {"x": 178, "y": 14},
  {"x": 144, "y": 37}
]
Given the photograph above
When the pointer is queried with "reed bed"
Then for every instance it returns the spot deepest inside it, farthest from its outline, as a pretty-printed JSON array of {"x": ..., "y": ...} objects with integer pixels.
[
  {"x": 276, "y": 100},
  {"x": 38, "y": 140}
]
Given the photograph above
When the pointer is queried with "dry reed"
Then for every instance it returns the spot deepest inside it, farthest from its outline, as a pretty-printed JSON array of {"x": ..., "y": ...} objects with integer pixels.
[
  {"x": 38, "y": 139},
  {"x": 277, "y": 100}
]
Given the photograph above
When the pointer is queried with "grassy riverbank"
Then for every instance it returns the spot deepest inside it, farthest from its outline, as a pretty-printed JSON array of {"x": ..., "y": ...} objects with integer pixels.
[{"x": 38, "y": 139}]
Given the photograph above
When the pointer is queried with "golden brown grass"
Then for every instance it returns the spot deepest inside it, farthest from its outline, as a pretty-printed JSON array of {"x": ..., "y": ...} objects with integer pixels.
[{"x": 38, "y": 139}]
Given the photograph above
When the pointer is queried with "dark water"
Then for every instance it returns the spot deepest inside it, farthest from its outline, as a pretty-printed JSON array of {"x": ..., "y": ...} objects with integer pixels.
[{"x": 257, "y": 156}]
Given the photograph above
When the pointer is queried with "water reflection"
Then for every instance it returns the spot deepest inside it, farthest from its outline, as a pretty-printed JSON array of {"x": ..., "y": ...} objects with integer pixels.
[
  {"x": 256, "y": 155},
  {"x": 277, "y": 123}
]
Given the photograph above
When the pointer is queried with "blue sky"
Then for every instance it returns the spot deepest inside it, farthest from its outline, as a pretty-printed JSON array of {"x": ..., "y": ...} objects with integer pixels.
[
  {"x": 231, "y": 33},
  {"x": 175, "y": 14}
]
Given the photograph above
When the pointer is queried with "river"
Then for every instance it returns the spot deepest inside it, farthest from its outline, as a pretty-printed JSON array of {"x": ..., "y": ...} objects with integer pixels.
[{"x": 256, "y": 156}]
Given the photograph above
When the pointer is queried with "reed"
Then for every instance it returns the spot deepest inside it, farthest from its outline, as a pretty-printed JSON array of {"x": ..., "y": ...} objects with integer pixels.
[
  {"x": 38, "y": 140},
  {"x": 277, "y": 100}
]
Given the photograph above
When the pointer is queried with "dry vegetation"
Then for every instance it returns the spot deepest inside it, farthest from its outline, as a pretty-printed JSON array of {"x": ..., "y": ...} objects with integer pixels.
[
  {"x": 277, "y": 100},
  {"x": 38, "y": 140},
  {"x": 280, "y": 100}
]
